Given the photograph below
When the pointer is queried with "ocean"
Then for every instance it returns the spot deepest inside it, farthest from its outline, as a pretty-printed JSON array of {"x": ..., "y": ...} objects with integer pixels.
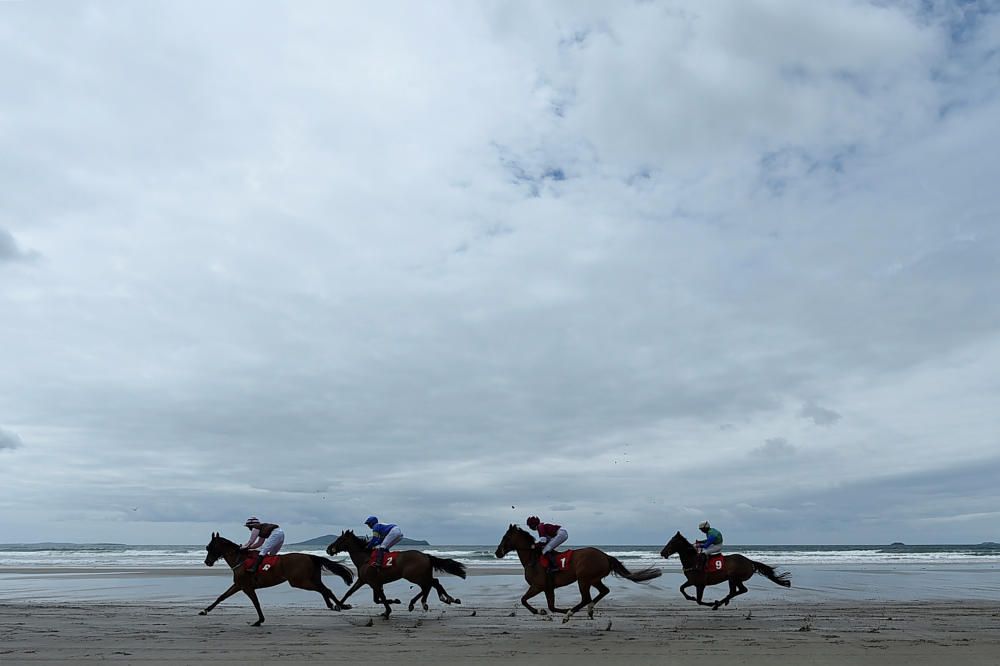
[
  {"x": 161, "y": 556},
  {"x": 820, "y": 574}
]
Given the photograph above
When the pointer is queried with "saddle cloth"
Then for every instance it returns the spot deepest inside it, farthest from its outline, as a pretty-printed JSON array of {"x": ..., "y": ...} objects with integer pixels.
[
  {"x": 563, "y": 559},
  {"x": 387, "y": 561},
  {"x": 715, "y": 564},
  {"x": 269, "y": 561}
]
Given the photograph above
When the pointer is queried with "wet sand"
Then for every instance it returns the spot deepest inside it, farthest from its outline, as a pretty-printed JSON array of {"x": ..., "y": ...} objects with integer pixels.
[
  {"x": 149, "y": 616},
  {"x": 922, "y": 633}
]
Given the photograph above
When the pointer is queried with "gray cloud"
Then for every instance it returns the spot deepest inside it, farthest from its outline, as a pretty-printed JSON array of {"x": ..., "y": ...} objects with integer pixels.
[
  {"x": 9, "y": 440},
  {"x": 775, "y": 447},
  {"x": 819, "y": 415},
  {"x": 10, "y": 251},
  {"x": 546, "y": 243}
]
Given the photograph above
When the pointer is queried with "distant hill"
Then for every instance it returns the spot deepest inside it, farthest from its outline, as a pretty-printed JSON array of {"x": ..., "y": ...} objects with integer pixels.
[{"x": 327, "y": 539}]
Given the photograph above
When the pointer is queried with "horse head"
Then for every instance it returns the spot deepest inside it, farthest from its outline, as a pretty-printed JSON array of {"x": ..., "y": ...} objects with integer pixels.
[
  {"x": 514, "y": 539},
  {"x": 344, "y": 542},
  {"x": 217, "y": 548},
  {"x": 676, "y": 544}
]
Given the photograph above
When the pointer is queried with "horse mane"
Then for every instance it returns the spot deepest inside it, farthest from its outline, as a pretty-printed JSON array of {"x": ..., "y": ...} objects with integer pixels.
[
  {"x": 358, "y": 540},
  {"x": 682, "y": 539},
  {"x": 226, "y": 541},
  {"x": 518, "y": 530}
]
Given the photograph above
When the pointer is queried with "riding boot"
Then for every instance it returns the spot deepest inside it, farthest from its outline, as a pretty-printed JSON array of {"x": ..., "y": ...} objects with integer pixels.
[
  {"x": 379, "y": 557},
  {"x": 553, "y": 562},
  {"x": 702, "y": 562},
  {"x": 256, "y": 564}
]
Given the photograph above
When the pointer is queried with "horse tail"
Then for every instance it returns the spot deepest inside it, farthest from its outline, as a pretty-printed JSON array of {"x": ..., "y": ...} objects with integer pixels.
[
  {"x": 453, "y": 567},
  {"x": 335, "y": 568},
  {"x": 783, "y": 579},
  {"x": 618, "y": 569}
]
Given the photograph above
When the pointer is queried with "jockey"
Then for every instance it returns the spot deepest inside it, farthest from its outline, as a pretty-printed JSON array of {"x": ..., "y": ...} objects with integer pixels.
[
  {"x": 549, "y": 536},
  {"x": 710, "y": 545},
  {"x": 266, "y": 537},
  {"x": 383, "y": 538}
]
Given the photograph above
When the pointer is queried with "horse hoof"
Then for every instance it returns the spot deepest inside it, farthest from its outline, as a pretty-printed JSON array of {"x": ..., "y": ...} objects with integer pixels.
[
  {"x": 543, "y": 612},
  {"x": 255, "y": 624},
  {"x": 456, "y": 601},
  {"x": 410, "y": 609},
  {"x": 567, "y": 617},
  {"x": 203, "y": 613},
  {"x": 426, "y": 608}
]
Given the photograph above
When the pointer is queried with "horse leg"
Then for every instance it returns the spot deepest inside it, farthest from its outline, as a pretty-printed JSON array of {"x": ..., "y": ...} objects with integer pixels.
[
  {"x": 424, "y": 591},
  {"x": 249, "y": 591},
  {"x": 725, "y": 600},
  {"x": 532, "y": 591},
  {"x": 602, "y": 591},
  {"x": 442, "y": 594},
  {"x": 354, "y": 588},
  {"x": 233, "y": 589},
  {"x": 380, "y": 595},
  {"x": 315, "y": 584},
  {"x": 686, "y": 595},
  {"x": 550, "y": 599},
  {"x": 584, "y": 600},
  {"x": 700, "y": 590},
  {"x": 328, "y": 595}
]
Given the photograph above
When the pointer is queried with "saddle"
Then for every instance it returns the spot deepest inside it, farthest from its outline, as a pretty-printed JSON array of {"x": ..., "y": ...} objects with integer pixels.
[
  {"x": 387, "y": 561},
  {"x": 715, "y": 563},
  {"x": 562, "y": 559},
  {"x": 269, "y": 561}
]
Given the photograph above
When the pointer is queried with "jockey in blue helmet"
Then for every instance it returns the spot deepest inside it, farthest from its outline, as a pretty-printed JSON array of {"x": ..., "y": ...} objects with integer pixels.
[{"x": 384, "y": 537}]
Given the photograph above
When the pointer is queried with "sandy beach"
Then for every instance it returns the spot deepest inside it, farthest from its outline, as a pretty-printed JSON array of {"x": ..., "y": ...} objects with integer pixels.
[
  {"x": 97, "y": 617},
  {"x": 645, "y": 634}
]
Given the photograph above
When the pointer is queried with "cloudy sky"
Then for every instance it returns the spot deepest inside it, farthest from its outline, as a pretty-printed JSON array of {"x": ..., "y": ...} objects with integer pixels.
[{"x": 624, "y": 265}]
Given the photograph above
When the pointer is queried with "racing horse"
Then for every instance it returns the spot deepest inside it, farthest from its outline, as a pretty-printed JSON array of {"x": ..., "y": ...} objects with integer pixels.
[
  {"x": 298, "y": 569},
  {"x": 736, "y": 569},
  {"x": 587, "y": 567},
  {"x": 414, "y": 566}
]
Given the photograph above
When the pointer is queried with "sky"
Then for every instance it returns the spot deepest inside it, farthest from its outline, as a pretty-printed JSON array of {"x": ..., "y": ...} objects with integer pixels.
[{"x": 626, "y": 266}]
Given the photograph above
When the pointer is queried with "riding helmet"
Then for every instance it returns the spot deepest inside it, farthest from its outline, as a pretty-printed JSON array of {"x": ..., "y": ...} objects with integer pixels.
[
  {"x": 533, "y": 522},
  {"x": 252, "y": 522},
  {"x": 704, "y": 525},
  {"x": 371, "y": 520}
]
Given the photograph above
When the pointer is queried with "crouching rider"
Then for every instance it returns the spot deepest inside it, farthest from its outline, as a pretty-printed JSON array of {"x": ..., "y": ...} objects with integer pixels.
[
  {"x": 266, "y": 537},
  {"x": 710, "y": 545},
  {"x": 384, "y": 537},
  {"x": 549, "y": 537}
]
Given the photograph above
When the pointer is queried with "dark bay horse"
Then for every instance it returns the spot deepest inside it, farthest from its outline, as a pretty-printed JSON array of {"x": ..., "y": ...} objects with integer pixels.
[
  {"x": 588, "y": 568},
  {"x": 299, "y": 569},
  {"x": 735, "y": 570},
  {"x": 414, "y": 566}
]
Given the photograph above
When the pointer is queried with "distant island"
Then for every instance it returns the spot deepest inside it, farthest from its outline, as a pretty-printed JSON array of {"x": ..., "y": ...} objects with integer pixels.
[
  {"x": 897, "y": 543},
  {"x": 327, "y": 539}
]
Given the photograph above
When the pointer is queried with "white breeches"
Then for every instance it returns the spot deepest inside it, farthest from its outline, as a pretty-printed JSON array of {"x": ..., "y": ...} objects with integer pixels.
[
  {"x": 273, "y": 543},
  {"x": 551, "y": 544},
  {"x": 713, "y": 549},
  {"x": 391, "y": 539}
]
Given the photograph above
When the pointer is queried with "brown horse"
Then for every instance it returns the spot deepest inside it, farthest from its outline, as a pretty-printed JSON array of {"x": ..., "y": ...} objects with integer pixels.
[
  {"x": 299, "y": 569},
  {"x": 414, "y": 566},
  {"x": 588, "y": 568},
  {"x": 735, "y": 570}
]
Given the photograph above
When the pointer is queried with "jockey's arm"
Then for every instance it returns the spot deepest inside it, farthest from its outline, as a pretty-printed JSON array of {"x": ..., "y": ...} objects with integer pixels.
[{"x": 252, "y": 541}]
